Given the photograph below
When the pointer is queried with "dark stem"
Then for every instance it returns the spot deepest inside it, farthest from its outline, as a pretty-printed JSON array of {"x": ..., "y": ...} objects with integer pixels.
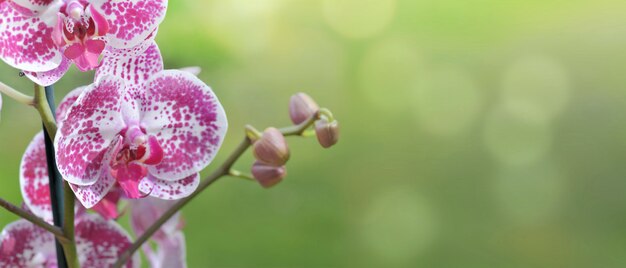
[{"x": 56, "y": 183}]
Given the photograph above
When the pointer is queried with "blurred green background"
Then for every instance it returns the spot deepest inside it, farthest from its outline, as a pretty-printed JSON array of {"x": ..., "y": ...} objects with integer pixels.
[{"x": 476, "y": 133}]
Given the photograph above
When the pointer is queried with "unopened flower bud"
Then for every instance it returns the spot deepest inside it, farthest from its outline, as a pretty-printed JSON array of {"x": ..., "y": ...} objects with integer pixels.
[
  {"x": 268, "y": 175},
  {"x": 271, "y": 148},
  {"x": 301, "y": 107},
  {"x": 327, "y": 132}
]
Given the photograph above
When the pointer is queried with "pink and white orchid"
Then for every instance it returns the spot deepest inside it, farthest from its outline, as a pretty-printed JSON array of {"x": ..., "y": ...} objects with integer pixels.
[
  {"x": 22, "y": 244},
  {"x": 44, "y": 37},
  {"x": 99, "y": 242},
  {"x": 147, "y": 130},
  {"x": 169, "y": 240}
]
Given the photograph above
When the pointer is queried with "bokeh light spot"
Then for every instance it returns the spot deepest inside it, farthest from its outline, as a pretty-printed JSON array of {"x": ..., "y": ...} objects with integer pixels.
[
  {"x": 530, "y": 195},
  {"x": 359, "y": 18},
  {"x": 447, "y": 101},
  {"x": 514, "y": 139},
  {"x": 537, "y": 87},
  {"x": 398, "y": 226},
  {"x": 389, "y": 72}
]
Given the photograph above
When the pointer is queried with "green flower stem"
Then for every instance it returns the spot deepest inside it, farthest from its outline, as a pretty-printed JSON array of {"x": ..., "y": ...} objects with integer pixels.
[
  {"x": 56, "y": 231},
  {"x": 69, "y": 247},
  {"x": 238, "y": 174},
  {"x": 48, "y": 118},
  {"x": 41, "y": 104},
  {"x": 16, "y": 95},
  {"x": 224, "y": 170}
]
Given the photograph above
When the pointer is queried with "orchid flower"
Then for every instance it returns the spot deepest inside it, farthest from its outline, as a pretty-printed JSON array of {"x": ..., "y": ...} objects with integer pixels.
[
  {"x": 170, "y": 240},
  {"x": 98, "y": 241},
  {"x": 22, "y": 244},
  {"x": 43, "y": 38},
  {"x": 34, "y": 180},
  {"x": 147, "y": 130}
]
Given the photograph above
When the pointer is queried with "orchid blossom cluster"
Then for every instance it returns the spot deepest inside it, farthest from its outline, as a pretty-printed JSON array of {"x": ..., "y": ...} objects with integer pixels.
[{"x": 134, "y": 140}]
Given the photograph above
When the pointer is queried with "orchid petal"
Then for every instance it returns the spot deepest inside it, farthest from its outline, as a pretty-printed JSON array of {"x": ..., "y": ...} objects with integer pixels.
[
  {"x": 26, "y": 43},
  {"x": 50, "y": 77},
  {"x": 107, "y": 207},
  {"x": 131, "y": 21},
  {"x": 99, "y": 242},
  {"x": 132, "y": 67},
  {"x": 87, "y": 131},
  {"x": 34, "y": 178},
  {"x": 90, "y": 195},
  {"x": 22, "y": 244},
  {"x": 129, "y": 176},
  {"x": 32, "y": 7},
  {"x": 188, "y": 121},
  {"x": 170, "y": 253},
  {"x": 173, "y": 190},
  {"x": 66, "y": 104},
  {"x": 144, "y": 212}
]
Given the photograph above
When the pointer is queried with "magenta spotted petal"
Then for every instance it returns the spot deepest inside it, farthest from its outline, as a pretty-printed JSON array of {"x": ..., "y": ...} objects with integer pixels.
[
  {"x": 22, "y": 244},
  {"x": 90, "y": 195},
  {"x": 100, "y": 242},
  {"x": 188, "y": 121},
  {"x": 50, "y": 77},
  {"x": 170, "y": 252},
  {"x": 32, "y": 7},
  {"x": 133, "y": 68},
  {"x": 87, "y": 132},
  {"x": 34, "y": 178},
  {"x": 25, "y": 42},
  {"x": 171, "y": 190},
  {"x": 132, "y": 21},
  {"x": 43, "y": 37},
  {"x": 145, "y": 211},
  {"x": 66, "y": 104}
]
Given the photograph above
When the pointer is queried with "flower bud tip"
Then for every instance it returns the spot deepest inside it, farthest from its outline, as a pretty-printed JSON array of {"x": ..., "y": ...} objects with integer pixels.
[
  {"x": 301, "y": 107},
  {"x": 271, "y": 148},
  {"x": 268, "y": 175},
  {"x": 327, "y": 132}
]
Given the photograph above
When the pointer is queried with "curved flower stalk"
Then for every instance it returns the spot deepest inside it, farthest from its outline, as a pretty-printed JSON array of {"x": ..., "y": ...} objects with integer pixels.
[
  {"x": 44, "y": 38},
  {"x": 147, "y": 130},
  {"x": 170, "y": 240},
  {"x": 99, "y": 242}
]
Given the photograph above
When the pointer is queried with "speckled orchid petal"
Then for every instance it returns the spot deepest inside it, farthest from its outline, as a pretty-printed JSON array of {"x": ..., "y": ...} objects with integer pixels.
[
  {"x": 50, "y": 77},
  {"x": 147, "y": 210},
  {"x": 188, "y": 121},
  {"x": 32, "y": 7},
  {"x": 171, "y": 252},
  {"x": 25, "y": 42},
  {"x": 87, "y": 131},
  {"x": 129, "y": 29},
  {"x": 66, "y": 103},
  {"x": 90, "y": 195},
  {"x": 22, "y": 244},
  {"x": 34, "y": 178},
  {"x": 133, "y": 68},
  {"x": 173, "y": 190},
  {"x": 99, "y": 242},
  {"x": 107, "y": 207}
]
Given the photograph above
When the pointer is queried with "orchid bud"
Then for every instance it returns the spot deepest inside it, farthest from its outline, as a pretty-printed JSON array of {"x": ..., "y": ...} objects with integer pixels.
[
  {"x": 271, "y": 148},
  {"x": 268, "y": 175},
  {"x": 301, "y": 107},
  {"x": 327, "y": 132}
]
